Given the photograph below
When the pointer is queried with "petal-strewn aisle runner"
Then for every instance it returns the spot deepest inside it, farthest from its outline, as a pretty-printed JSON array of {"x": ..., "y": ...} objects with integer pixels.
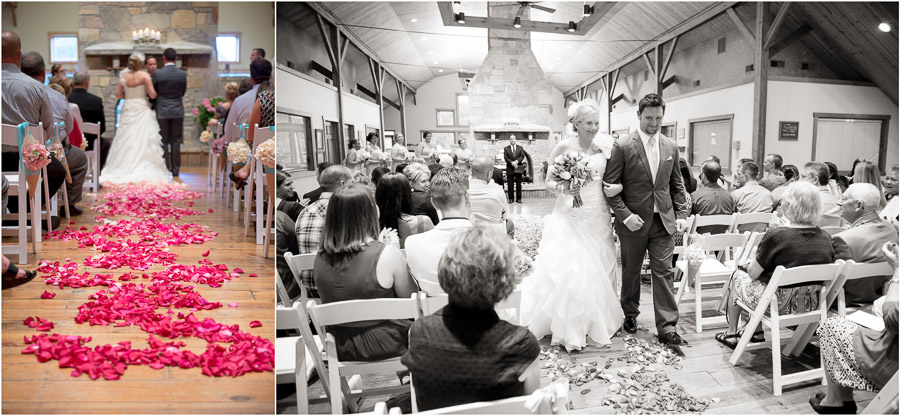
[{"x": 149, "y": 272}]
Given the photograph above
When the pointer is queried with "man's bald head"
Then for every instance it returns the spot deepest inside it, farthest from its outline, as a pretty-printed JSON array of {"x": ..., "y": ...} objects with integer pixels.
[
  {"x": 334, "y": 176},
  {"x": 482, "y": 167},
  {"x": 12, "y": 48}
]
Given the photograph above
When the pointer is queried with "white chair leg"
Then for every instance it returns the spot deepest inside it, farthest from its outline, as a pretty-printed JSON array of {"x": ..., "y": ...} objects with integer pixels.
[
  {"x": 698, "y": 303},
  {"x": 300, "y": 378},
  {"x": 23, "y": 221},
  {"x": 261, "y": 220},
  {"x": 65, "y": 199},
  {"x": 36, "y": 209},
  {"x": 248, "y": 200},
  {"x": 776, "y": 355},
  {"x": 270, "y": 212}
]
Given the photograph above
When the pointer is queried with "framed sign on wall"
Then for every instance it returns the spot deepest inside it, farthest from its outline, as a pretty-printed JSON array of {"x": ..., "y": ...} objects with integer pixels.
[
  {"x": 446, "y": 118},
  {"x": 787, "y": 130}
]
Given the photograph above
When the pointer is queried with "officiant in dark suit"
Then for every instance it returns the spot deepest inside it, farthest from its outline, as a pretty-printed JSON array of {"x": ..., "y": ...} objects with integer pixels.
[
  {"x": 91, "y": 107},
  {"x": 515, "y": 168},
  {"x": 170, "y": 83}
]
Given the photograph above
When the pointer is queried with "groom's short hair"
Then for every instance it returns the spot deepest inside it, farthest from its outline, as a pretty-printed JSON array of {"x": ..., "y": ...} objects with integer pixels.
[
  {"x": 169, "y": 54},
  {"x": 651, "y": 100}
]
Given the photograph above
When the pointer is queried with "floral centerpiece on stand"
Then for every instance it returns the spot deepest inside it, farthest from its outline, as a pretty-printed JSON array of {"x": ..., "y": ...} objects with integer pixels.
[{"x": 206, "y": 111}]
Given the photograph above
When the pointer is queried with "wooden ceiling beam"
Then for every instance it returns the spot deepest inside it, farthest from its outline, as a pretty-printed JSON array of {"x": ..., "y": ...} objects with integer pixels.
[
  {"x": 649, "y": 64},
  {"x": 779, "y": 20},
  {"x": 788, "y": 39},
  {"x": 324, "y": 13},
  {"x": 668, "y": 59},
  {"x": 327, "y": 39},
  {"x": 711, "y": 12},
  {"x": 742, "y": 27}
]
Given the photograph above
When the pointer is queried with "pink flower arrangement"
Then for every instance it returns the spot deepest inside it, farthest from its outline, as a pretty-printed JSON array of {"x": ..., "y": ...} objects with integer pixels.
[
  {"x": 195, "y": 111},
  {"x": 35, "y": 156}
]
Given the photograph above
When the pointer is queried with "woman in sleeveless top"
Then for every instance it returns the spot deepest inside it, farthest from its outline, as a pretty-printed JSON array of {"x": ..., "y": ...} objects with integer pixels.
[
  {"x": 393, "y": 194},
  {"x": 352, "y": 264},
  {"x": 263, "y": 115}
]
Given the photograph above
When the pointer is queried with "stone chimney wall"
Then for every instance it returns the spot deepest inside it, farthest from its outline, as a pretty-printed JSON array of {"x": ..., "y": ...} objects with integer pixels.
[{"x": 102, "y": 22}]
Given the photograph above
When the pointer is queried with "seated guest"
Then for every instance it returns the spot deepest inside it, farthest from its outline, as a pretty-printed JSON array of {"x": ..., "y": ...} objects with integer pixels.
[
  {"x": 257, "y": 53},
  {"x": 76, "y": 160},
  {"x": 856, "y": 357},
  {"x": 286, "y": 242},
  {"x": 800, "y": 243},
  {"x": 734, "y": 180},
  {"x": 446, "y": 161},
  {"x": 867, "y": 172},
  {"x": 833, "y": 180},
  {"x": 91, "y": 107},
  {"x": 862, "y": 242},
  {"x": 488, "y": 200},
  {"x": 465, "y": 353},
  {"x": 378, "y": 173},
  {"x": 450, "y": 193},
  {"x": 721, "y": 180},
  {"x": 891, "y": 211},
  {"x": 312, "y": 219},
  {"x": 286, "y": 199},
  {"x": 497, "y": 176},
  {"x": 711, "y": 199},
  {"x": 434, "y": 168},
  {"x": 817, "y": 174},
  {"x": 313, "y": 195},
  {"x": 791, "y": 174},
  {"x": 394, "y": 199},
  {"x": 352, "y": 264},
  {"x": 239, "y": 113},
  {"x": 772, "y": 168},
  {"x": 418, "y": 176},
  {"x": 750, "y": 196}
]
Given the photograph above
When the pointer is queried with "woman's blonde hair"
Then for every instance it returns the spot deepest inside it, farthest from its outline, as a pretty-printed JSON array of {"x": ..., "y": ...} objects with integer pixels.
[
  {"x": 231, "y": 91},
  {"x": 135, "y": 63},
  {"x": 58, "y": 88},
  {"x": 63, "y": 82}
]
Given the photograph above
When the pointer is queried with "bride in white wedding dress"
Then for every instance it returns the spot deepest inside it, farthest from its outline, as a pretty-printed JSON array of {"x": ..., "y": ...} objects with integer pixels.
[
  {"x": 136, "y": 154},
  {"x": 571, "y": 294}
]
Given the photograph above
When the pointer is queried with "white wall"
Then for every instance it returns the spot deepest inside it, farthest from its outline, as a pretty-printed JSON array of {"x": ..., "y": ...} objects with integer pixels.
[
  {"x": 234, "y": 16},
  {"x": 36, "y": 20},
  {"x": 735, "y": 100},
  {"x": 797, "y": 101}
]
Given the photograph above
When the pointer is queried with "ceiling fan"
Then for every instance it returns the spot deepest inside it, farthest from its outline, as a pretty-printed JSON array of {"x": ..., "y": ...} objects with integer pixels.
[{"x": 533, "y": 5}]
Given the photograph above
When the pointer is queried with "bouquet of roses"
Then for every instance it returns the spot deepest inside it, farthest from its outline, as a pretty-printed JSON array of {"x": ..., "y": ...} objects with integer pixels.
[
  {"x": 218, "y": 145},
  {"x": 265, "y": 153},
  {"x": 570, "y": 170},
  {"x": 363, "y": 155},
  {"x": 239, "y": 151},
  {"x": 206, "y": 136},
  {"x": 35, "y": 156},
  {"x": 410, "y": 157}
]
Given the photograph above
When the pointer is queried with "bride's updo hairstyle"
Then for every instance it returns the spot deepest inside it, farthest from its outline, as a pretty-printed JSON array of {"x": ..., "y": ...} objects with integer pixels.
[
  {"x": 581, "y": 109},
  {"x": 135, "y": 63}
]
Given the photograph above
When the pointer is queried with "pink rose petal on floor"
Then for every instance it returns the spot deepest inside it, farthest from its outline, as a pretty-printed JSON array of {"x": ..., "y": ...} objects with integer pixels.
[
  {"x": 253, "y": 275},
  {"x": 232, "y": 305},
  {"x": 210, "y": 210},
  {"x": 71, "y": 222},
  {"x": 255, "y": 324},
  {"x": 238, "y": 270},
  {"x": 48, "y": 295},
  {"x": 205, "y": 253}
]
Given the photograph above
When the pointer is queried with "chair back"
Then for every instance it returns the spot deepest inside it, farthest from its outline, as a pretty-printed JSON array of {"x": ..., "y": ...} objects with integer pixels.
[
  {"x": 727, "y": 244},
  {"x": 511, "y": 406},
  {"x": 852, "y": 271},
  {"x": 297, "y": 264},
  {"x": 824, "y": 273},
  {"x": 431, "y": 304},
  {"x": 281, "y": 291},
  {"x": 91, "y": 128},
  {"x": 11, "y": 135},
  {"x": 349, "y": 311},
  {"x": 745, "y": 253},
  {"x": 706, "y": 220},
  {"x": 262, "y": 134},
  {"x": 689, "y": 225},
  {"x": 430, "y": 287},
  {"x": 753, "y": 218}
]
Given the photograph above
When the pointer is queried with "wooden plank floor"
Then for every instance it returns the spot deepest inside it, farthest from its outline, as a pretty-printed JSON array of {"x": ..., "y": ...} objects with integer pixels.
[
  {"x": 705, "y": 371},
  {"x": 32, "y": 387}
]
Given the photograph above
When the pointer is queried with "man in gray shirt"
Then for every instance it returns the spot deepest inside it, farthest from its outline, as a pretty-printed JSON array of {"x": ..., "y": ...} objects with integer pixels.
[
  {"x": 24, "y": 99},
  {"x": 33, "y": 66}
]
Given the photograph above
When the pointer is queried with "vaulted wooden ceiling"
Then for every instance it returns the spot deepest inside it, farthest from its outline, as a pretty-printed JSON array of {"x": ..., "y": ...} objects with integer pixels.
[{"x": 410, "y": 39}]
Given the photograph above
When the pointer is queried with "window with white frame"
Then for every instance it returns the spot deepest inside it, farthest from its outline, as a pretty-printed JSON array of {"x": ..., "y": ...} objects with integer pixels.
[
  {"x": 228, "y": 47},
  {"x": 63, "y": 47}
]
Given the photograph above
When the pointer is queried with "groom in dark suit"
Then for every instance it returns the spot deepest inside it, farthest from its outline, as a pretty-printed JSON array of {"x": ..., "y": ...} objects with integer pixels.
[
  {"x": 170, "y": 84},
  {"x": 515, "y": 168},
  {"x": 649, "y": 210}
]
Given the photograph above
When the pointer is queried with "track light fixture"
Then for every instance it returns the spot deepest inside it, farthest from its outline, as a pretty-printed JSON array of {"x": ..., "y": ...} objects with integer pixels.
[
  {"x": 572, "y": 26},
  {"x": 517, "y": 23},
  {"x": 588, "y": 10},
  {"x": 461, "y": 18}
]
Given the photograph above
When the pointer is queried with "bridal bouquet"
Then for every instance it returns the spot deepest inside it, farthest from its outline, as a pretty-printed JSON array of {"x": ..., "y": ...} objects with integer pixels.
[
  {"x": 410, "y": 157},
  {"x": 570, "y": 169},
  {"x": 206, "y": 136},
  {"x": 238, "y": 152},
  {"x": 362, "y": 155},
  {"x": 265, "y": 153}
]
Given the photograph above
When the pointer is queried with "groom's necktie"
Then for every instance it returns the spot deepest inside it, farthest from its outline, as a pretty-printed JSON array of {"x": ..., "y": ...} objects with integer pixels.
[{"x": 653, "y": 156}]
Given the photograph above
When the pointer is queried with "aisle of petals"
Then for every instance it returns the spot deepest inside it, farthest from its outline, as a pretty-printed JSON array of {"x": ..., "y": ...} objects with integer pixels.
[{"x": 137, "y": 245}]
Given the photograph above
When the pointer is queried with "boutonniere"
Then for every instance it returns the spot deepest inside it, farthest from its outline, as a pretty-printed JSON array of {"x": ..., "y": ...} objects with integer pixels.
[{"x": 604, "y": 143}]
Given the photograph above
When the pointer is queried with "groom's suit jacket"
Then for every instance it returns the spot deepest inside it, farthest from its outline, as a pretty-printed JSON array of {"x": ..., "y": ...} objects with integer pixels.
[
  {"x": 629, "y": 166},
  {"x": 170, "y": 84}
]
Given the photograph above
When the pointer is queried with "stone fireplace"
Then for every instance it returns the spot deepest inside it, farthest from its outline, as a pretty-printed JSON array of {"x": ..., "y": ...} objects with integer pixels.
[
  {"x": 510, "y": 94},
  {"x": 105, "y": 42}
]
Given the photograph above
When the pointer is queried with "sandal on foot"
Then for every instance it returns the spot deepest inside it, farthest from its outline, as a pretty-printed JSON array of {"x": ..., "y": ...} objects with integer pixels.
[
  {"x": 724, "y": 339},
  {"x": 758, "y": 336},
  {"x": 238, "y": 183},
  {"x": 11, "y": 282}
]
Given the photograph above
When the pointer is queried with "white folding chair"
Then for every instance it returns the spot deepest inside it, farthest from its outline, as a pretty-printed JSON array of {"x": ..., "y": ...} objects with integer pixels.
[
  {"x": 711, "y": 271},
  {"x": 885, "y": 402},
  {"x": 219, "y": 177},
  {"x": 257, "y": 181},
  {"x": 851, "y": 271},
  {"x": 18, "y": 187},
  {"x": 35, "y": 194},
  {"x": 752, "y": 218},
  {"x": 54, "y": 202},
  {"x": 833, "y": 229},
  {"x": 679, "y": 248},
  {"x": 92, "y": 180},
  {"x": 511, "y": 406},
  {"x": 290, "y": 352},
  {"x": 431, "y": 304},
  {"x": 827, "y": 275},
  {"x": 339, "y": 313}
]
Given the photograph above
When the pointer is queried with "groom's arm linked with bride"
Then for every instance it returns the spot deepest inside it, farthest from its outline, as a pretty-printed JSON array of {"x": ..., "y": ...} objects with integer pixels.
[{"x": 651, "y": 208}]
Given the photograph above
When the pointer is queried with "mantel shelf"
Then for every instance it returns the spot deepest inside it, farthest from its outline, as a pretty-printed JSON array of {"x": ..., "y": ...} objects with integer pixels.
[
  {"x": 511, "y": 128},
  {"x": 127, "y": 48}
]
